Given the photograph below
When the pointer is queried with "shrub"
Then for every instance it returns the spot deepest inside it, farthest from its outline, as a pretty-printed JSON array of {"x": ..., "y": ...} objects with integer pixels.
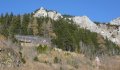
[
  {"x": 23, "y": 60},
  {"x": 36, "y": 58},
  {"x": 42, "y": 48},
  {"x": 57, "y": 60}
]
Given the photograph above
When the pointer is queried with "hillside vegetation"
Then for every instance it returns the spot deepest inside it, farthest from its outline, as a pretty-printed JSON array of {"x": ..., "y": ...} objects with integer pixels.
[
  {"x": 73, "y": 48},
  {"x": 72, "y": 38},
  {"x": 64, "y": 33}
]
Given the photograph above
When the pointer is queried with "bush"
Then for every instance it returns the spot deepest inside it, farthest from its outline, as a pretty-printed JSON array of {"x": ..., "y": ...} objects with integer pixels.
[
  {"x": 42, "y": 48},
  {"x": 23, "y": 60},
  {"x": 36, "y": 58},
  {"x": 57, "y": 60}
]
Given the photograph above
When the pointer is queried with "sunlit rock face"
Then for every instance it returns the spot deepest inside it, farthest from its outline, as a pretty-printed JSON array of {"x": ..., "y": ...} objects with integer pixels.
[
  {"x": 41, "y": 13},
  {"x": 85, "y": 22},
  {"x": 112, "y": 32},
  {"x": 115, "y": 21},
  {"x": 44, "y": 13}
]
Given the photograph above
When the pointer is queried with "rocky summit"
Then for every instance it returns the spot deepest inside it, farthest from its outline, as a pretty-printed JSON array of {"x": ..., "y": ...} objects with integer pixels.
[{"x": 46, "y": 13}]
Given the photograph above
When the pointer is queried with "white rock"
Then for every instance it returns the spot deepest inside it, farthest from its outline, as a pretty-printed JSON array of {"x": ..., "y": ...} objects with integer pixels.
[
  {"x": 103, "y": 29},
  {"x": 115, "y": 21},
  {"x": 85, "y": 22},
  {"x": 52, "y": 14},
  {"x": 41, "y": 13}
]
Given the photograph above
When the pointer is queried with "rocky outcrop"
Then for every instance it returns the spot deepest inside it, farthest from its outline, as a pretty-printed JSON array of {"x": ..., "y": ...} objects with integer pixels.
[
  {"x": 85, "y": 22},
  {"x": 115, "y": 21},
  {"x": 112, "y": 32},
  {"x": 44, "y": 13}
]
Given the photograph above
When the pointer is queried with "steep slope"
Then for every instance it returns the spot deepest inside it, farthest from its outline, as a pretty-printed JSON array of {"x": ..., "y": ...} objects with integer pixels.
[
  {"x": 85, "y": 22},
  {"x": 71, "y": 37},
  {"x": 112, "y": 32}
]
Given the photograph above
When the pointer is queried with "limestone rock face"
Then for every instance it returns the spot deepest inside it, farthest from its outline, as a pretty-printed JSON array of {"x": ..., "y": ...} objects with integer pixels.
[
  {"x": 115, "y": 21},
  {"x": 44, "y": 13},
  {"x": 41, "y": 12},
  {"x": 85, "y": 22},
  {"x": 112, "y": 32}
]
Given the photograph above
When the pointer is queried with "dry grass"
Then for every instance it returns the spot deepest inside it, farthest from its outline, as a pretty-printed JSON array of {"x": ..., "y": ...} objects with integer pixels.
[
  {"x": 56, "y": 59},
  {"x": 110, "y": 63}
]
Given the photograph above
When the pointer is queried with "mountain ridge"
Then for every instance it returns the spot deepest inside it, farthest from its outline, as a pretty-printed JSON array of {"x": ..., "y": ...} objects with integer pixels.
[{"x": 85, "y": 22}]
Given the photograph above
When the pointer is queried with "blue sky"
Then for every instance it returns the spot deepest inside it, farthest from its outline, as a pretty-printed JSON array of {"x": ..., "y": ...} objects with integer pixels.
[{"x": 96, "y": 10}]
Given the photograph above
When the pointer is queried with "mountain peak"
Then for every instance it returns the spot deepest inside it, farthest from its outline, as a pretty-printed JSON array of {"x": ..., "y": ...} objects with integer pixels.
[
  {"x": 42, "y": 8},
  {"x": 42, "y": 12}
]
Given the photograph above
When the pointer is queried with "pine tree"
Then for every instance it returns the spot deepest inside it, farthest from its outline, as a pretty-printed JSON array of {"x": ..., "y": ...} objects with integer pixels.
[
  {"x": 35, "y": 27},
  {"x": 29, "y": 28}
]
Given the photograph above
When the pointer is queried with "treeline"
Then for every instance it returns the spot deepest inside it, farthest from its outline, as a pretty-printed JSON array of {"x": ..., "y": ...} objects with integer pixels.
[{"x": 26, "y": 24}]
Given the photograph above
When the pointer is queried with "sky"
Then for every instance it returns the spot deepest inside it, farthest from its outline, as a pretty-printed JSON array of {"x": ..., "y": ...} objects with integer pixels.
[{"x": 96, "y": 10}]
